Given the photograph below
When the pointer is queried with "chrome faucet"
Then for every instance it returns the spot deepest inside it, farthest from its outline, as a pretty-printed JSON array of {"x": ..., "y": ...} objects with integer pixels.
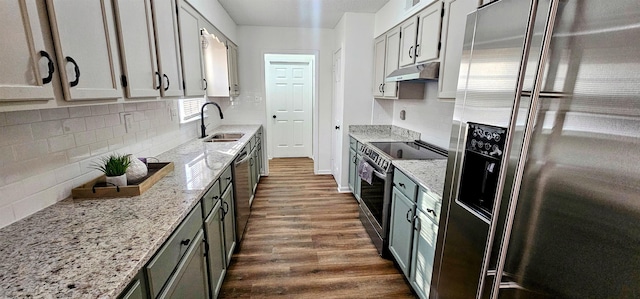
[{"x": 202, "y": 126}]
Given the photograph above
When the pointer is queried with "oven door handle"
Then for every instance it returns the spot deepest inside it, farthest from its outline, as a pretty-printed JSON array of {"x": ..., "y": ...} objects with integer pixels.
[
  {"x": 376, "y": 172},
  {"x": 379, "y": 174}
]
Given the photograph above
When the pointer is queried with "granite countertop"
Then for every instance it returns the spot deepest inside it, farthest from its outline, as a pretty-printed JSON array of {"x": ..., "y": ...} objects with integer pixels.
[
  {"x": 429, "y": 174},
  {"x": 381, "y": 133},
  {"x": 92, "y": 248}
]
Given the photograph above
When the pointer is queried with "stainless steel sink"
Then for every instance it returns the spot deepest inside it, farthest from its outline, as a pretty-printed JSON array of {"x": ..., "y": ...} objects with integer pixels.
[{"x": 224, "y": 137}]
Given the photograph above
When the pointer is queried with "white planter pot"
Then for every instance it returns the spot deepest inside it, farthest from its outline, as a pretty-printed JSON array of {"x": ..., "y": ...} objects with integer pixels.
[{"x": 117, "y": 180}]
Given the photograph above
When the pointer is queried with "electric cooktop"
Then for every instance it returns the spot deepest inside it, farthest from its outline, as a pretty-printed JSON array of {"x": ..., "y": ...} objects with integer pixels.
[{"x": 411, "y": 150}]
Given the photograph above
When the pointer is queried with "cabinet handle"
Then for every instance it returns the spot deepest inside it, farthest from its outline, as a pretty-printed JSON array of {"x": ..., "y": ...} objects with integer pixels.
[
  {"x": 228, "y": 178},
  {"x": 250, "y": 161},
  {"x": 354, "y": 160},
  {"x": 407, "y": 216},
  {"x": 185, "y": 242},
  {"x": 411, "y": 48},
  {"x": 416, "y": 223},
  {"x": 401, "y": 185},
  {"x": 415, "y": 53},
  {"x": 159, "y": 80},
  {"x": 168, "y": 83},
  {"x": 50, "y": 67},
  {"x": 76, "y": 69},
  {"x": 432, "y": 212},
  {"x": 383, "y": 85},
  {"x": 205, "y": 84}
]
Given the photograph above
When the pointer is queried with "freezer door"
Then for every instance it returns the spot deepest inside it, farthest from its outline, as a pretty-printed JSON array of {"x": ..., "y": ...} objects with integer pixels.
[{"x": 576, "y": 228}]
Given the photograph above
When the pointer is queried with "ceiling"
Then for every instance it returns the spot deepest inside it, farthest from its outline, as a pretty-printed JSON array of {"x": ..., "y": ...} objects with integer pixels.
[{"x": 296, "y": 13}]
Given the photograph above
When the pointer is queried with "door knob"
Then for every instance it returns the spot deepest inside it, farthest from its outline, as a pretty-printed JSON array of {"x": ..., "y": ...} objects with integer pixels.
[
  {"x": 337, "y": 127},
  {"x": 274, "y": 116}
]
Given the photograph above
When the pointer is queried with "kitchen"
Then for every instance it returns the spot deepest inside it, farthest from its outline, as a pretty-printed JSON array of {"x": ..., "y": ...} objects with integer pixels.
[{"x": 49, "y": 143}]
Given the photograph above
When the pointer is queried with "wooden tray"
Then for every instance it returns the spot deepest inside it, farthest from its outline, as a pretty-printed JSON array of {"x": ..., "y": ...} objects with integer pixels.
[{"x": 97, "y": 187}]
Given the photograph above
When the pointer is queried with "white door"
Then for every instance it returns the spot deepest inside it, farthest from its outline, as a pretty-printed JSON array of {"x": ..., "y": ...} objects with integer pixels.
[
  {"x": 86, "y": 48},
  {"x": 167, "y": 47},
  {"x": 137, "y": 48},
  {"x": 27, "y": 69},
  {"x": 338, "y": 88},
  {"x": 289, "y": 86}
]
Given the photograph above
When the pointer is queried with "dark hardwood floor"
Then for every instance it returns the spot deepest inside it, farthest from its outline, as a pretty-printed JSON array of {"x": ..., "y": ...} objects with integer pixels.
[{"x": 304, "y": 240}]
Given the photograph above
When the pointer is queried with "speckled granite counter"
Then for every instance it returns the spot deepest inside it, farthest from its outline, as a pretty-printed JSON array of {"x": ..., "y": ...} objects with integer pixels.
[
  {"x": 372, "y": 133},
  {"x": 427, "y": 173},
  {"x": 92, "y": 248}
]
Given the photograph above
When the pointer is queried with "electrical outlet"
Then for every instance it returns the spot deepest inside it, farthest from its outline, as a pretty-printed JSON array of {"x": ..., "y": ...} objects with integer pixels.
[{"x": 128, "y": 122}]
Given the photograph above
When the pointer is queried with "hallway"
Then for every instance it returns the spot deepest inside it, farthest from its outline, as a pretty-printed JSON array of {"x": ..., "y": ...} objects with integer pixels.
[{"x": 304, "y": 240}]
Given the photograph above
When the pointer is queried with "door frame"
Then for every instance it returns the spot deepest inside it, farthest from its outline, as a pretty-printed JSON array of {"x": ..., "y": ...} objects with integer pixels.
[{"x": 293, "y": 56}]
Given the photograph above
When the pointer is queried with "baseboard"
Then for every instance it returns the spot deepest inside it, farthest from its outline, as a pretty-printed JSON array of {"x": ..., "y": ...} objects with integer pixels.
[
  {"x": 324, "y": 171},
  {"x": 344, "y": 189}
]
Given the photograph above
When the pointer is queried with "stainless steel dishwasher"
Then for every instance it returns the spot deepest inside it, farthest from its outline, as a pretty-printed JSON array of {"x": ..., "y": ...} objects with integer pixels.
[{"x": 242, "y": 191}]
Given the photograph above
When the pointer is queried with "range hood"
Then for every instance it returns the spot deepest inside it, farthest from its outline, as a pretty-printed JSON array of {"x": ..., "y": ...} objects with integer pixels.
[{"x": 419, "y": 72}]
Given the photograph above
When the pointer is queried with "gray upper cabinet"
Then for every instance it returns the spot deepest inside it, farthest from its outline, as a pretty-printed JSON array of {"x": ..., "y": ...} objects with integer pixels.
[
  {"x": 191, "y": 41},
  {"x": 234, "y": 81},
  {"x": 190, "y": 277},
  {"x": 137, "y": 48},
  {"x": 409, "y": 29},
  {"x": 165, "y": 20},
  {"x": 27, "y": 68},
  {"x": 89, "y": 70},
  {"x": 453, "y": 26},
  {"x": 391, "y": 62},
  {"x": 379, "y": 48}
]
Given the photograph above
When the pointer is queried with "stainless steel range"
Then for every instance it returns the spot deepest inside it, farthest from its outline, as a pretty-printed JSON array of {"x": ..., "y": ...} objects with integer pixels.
[{"x": 375, "y": 197}]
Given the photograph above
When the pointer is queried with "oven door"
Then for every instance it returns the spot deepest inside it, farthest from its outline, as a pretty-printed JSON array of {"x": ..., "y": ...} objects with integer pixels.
[{"x": 375, "y": 199}]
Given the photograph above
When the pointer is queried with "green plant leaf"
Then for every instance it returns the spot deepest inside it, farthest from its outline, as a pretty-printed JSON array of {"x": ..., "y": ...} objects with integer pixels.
[{"x": 113, "y": 165}]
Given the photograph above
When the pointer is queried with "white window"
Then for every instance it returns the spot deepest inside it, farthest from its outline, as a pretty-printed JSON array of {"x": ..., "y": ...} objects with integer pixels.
[{"x": 189, "y": 109}]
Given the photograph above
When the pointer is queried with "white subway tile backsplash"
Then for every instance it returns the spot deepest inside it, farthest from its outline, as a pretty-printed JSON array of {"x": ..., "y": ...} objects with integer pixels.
[
  {"x": 39, "y": 182},
  {"x": 6, "y": 216},
  {"x": 6, "y": 155},
  {"x": 30, "y": 150},
  {"x": 119, "y": 130},
  {"x": 94, "y": 122},
  {"x": 100, "y": 110},
  {"x": 84, "y": 138},
  {"x": 116, "y": 108},
  {"x": 104, "y": 134},
  {"x": 60, "y": 143},
  {"x": 3, "y": 119},
  {"x": 23, "y": 117},
  {"x": 99, "y": 148},
  {"x": 15, "y": 134},
  {"x": 11, "y": 193},
  {"x": 53, "y": 114},
  {"x": 73, "y": 125},
  {"x": 130, "y": 107},
  {"x": 115, "y": 143},
  {"x": 79, "y": 153},
  {"x": 67, "y": 172},
  {"x": 145, "y": 124},
  {"x": 34, "y": 203},
  {"x": 141, "y": 106},
  {"x": 79, "y": 111},
  {"x": 112, "y": 120},
  {"x": 139, "y": 116},
  {"x": 46, "y": 129}
]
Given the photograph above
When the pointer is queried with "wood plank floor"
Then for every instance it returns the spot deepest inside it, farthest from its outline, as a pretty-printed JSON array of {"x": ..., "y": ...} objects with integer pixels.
[{"x": 304, "y": 240}]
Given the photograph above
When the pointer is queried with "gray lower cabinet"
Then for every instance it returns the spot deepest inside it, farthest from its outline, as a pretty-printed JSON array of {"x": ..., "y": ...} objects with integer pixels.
[
  {"x": 213, "y": 226},
  {"x": 229, "y": 223},
  {"x": 357, "y": 181},
  {"x": 424, "y": 248},
  {"x": 136, "y": 289},
  {"x": 190, "y": 278},
  {"x": 352, "y": 169},
  {"x": 401, "y": 232}
]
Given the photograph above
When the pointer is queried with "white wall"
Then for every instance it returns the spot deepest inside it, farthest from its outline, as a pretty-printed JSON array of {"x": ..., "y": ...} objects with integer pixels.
[
  {"x": 356, "y": 31},
  {"x": 215, "y": 13},
  {"x": 250, "y": 106},
  {"x": 394, "y": 12}
]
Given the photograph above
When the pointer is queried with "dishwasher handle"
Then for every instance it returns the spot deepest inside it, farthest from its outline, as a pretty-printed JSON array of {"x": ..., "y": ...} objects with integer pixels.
[{"x": 242, "y": 158}]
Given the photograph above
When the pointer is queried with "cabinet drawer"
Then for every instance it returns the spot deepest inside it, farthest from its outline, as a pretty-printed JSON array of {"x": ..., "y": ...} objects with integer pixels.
[
  {"x": 353, "y": 143},
  {"x": 225, "y": 179},
  {"x": 167, "y": 258},
  {"x": 210, "y": 198},
  {"x": 430, "y": 203},
  {"x": 405, "y": 184}
]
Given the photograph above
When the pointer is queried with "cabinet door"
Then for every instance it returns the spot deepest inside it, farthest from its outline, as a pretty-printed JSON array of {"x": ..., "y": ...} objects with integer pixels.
[
  {"x": 424, "y": 248},
  {"x": 352, "y": 169},
  {"x": 27, "y": 69},
  {"x": 392, "y": 62},
  {"x": 401, "y": 230},
  {"x": 216, "y": 64},
  {"x": 84, "y": 36},
  {"x": 234, "y": 84},
  {"x": 428, "y": 39},
  {"x": 409, "y": 29},
  {"x": 137, "y": 48},
  {"x": 190, "y": 278},
  {"x": 167, "y": 47},
  {"x": 191, "y": 40},
  {"x": 229, "y": 223},
  {"x": 453, "y": 26},
  {"x": 379, "y": 74},
  {"x": 358, "y": 181},
  {"x": 216, "y": 254}
]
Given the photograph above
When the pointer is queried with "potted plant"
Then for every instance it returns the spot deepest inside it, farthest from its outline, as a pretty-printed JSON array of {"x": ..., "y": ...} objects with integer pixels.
[{"x": 114, "y": 168}]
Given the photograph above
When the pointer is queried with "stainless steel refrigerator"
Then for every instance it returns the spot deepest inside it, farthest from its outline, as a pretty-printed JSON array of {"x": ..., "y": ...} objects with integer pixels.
[{"x": 542, "y": 194}]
